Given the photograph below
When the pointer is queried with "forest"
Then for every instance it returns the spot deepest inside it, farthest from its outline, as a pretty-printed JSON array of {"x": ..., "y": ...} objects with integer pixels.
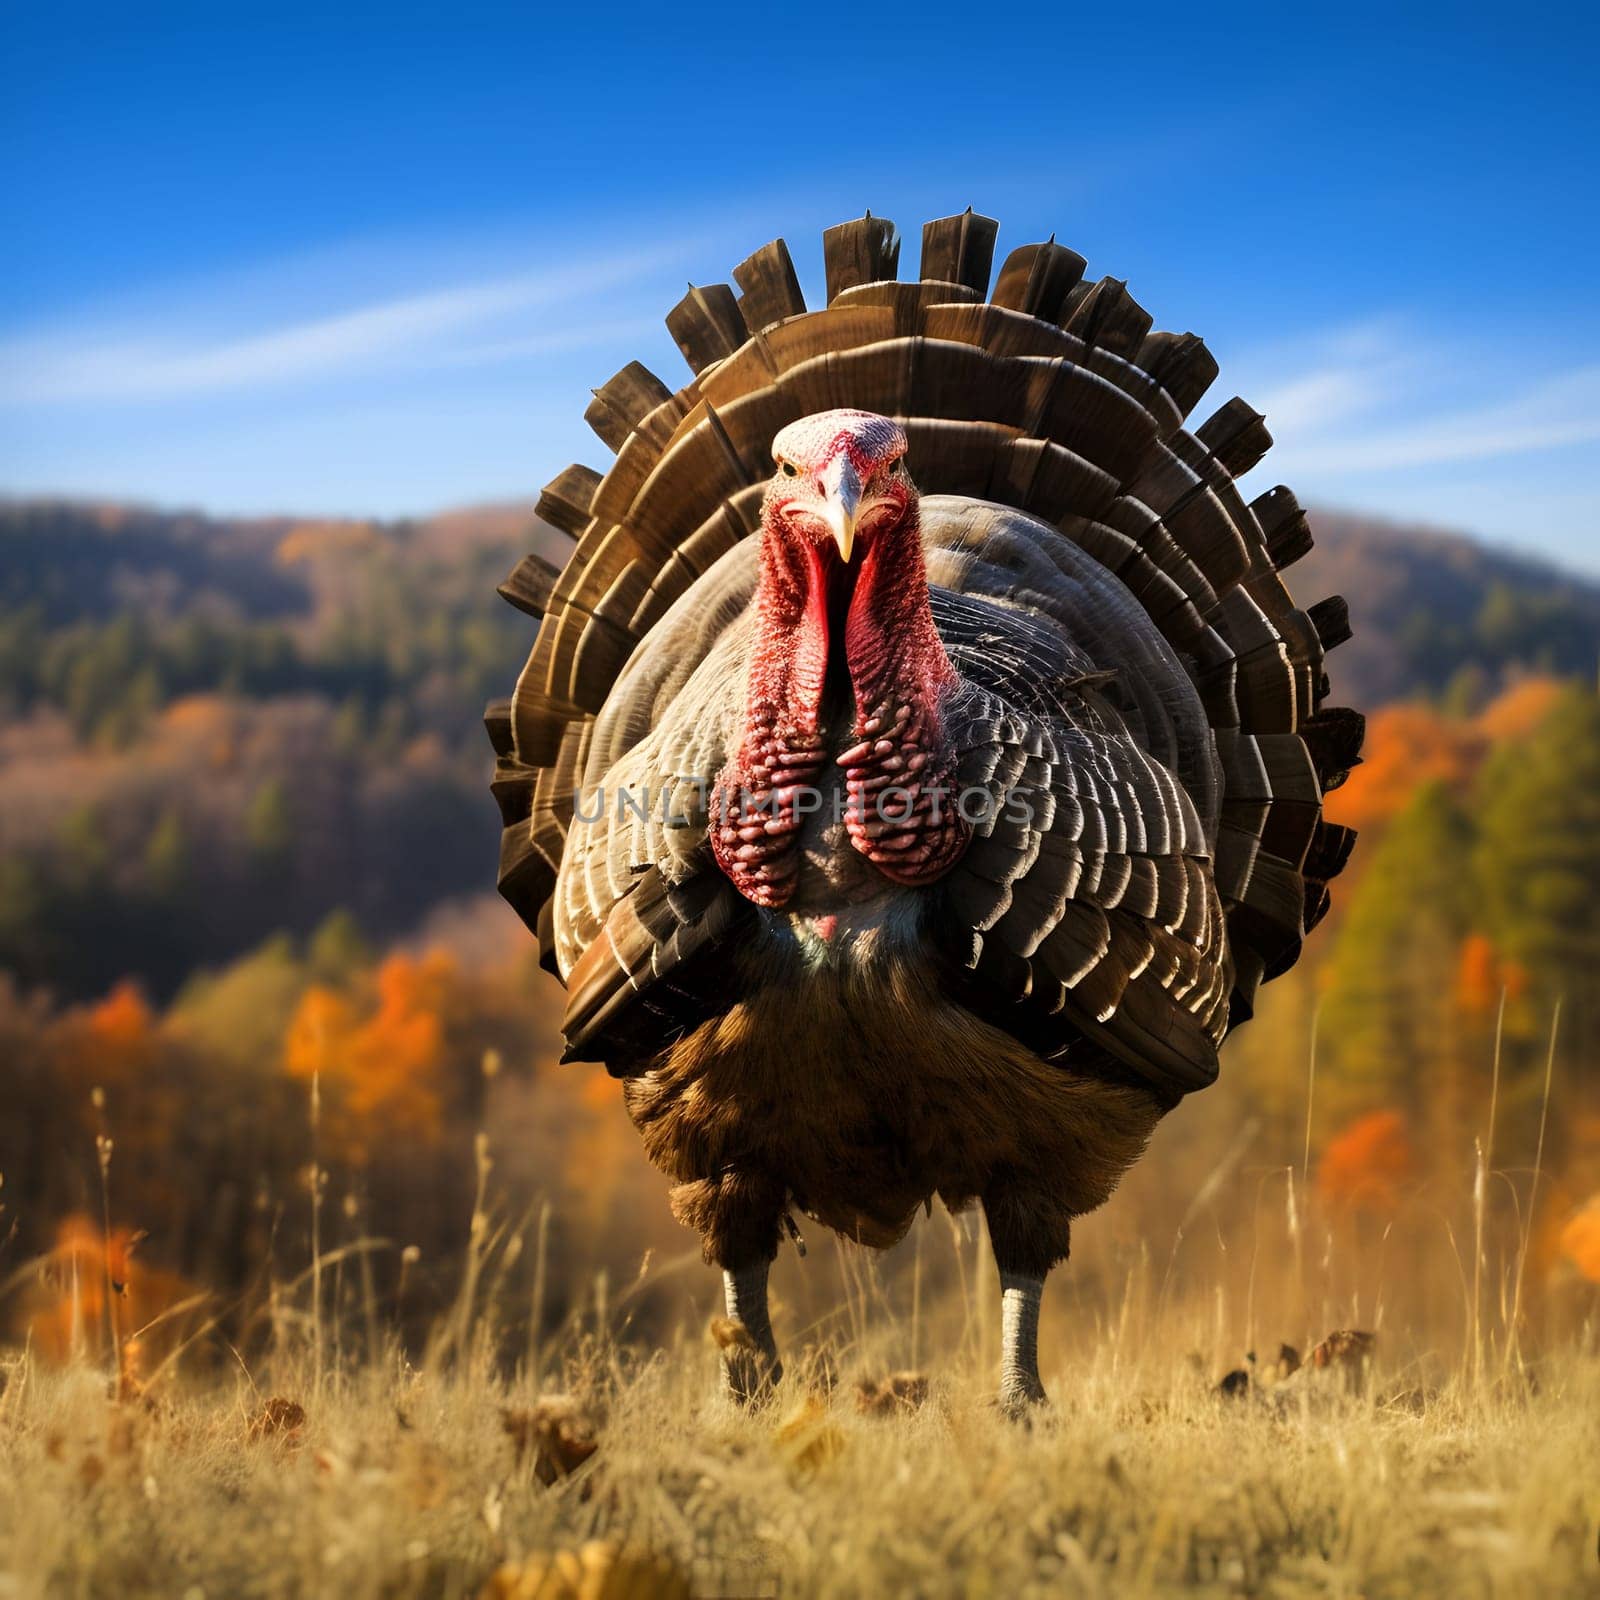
[{"x": 249, "y": 946}]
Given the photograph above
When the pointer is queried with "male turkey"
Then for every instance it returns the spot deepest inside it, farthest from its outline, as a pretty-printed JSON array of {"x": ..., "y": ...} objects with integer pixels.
[{"x": 930, "y": 840}]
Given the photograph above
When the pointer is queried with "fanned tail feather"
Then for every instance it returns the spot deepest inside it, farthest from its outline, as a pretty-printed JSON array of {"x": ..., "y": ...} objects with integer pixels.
[{"x": 1053, "y": 395}]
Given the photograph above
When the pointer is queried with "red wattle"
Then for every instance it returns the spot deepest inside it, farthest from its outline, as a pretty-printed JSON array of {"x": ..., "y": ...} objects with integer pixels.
[
  {"x": 754, "y": 820},
  {"x": 901, "y": 808},
  {"x": 902, "y": 813}
]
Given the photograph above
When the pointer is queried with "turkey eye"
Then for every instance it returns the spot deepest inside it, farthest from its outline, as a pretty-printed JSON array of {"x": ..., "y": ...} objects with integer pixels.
[
  {"x": 790, "y": 470},
  {"x": 897, "y": 467}
]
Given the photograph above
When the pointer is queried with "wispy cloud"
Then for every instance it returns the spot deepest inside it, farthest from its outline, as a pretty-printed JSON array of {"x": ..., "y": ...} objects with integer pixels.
[
  {"x": 1559, "y": 410},
  {"x": 1381, "y": 417},
  {"x": 1305, "y": 385},
  {"x": 428, "y": 327},
  {"x": 1370, "y": 399},
  {"x": 493, "y": 351}
]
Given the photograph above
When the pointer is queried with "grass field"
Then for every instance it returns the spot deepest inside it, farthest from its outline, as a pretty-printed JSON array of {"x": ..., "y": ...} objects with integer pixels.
[{"x": 462, "y": 1475}]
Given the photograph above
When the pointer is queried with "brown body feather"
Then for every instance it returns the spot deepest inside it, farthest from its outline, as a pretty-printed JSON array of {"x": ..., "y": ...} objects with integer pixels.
[{"x": 884, "y": 1093}]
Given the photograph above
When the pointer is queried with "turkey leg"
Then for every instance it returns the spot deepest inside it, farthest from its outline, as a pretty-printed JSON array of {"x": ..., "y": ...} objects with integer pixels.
[
  {"x": 750, "y": 1365},
  {"x": 1020, "y": 1385},
  {"x": 1031, "y": 1231}
]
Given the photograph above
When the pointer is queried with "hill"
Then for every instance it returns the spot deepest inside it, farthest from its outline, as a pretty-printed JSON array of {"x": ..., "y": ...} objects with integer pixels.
[
  {"x": 1427, "y": 604},
  {"x": 214, "y": 729},
  {"x": 1434, "y": 611}
]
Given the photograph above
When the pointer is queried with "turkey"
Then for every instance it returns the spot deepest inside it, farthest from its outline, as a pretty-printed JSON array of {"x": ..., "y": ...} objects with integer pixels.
[{"x": 919, "y": 763}]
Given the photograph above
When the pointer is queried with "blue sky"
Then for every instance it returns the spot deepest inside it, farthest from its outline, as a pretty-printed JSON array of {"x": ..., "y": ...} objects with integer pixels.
[{"x": 263, "y": 260}]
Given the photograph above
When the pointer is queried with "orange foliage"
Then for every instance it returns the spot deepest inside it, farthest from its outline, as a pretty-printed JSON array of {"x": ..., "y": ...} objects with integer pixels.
[
  {"x": 1477, "y": 976},
  {"x": 1483, "y": 974},
  {"x": 1406, "y": 747},
  {"x": 602, "y": 1093},
  {"x": 1516, "y": 712},
  {"x": 600, "y": 1145},
  {"x": 205, "y": 724},
  {"x": 197, "y": 714},
  {"x": 122, "y": 1025},
  {"x": 381, "y": 1067},
  {"x": 1580, "y": 1240},
  {"x": 67, "y": 1315},
  {"x": 310, "y": 540},
  {"x": 110, "y": 1044},
  {"x": 1410, "y": 745},
  {"x": 1366, "y": 1166}
]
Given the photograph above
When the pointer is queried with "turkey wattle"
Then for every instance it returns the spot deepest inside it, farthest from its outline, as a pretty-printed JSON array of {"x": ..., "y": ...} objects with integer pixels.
[{"x": 920, "y": 761}]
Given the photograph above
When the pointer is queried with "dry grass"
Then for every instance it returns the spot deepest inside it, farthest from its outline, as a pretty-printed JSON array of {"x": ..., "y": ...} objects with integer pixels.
[
  {"x": 1455, "y": 1452},
  {"x": 1140, "y": 1480}
]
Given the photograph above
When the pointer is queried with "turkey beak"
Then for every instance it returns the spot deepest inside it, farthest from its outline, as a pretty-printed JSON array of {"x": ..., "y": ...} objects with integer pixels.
[{"x": 841, "y": 497}]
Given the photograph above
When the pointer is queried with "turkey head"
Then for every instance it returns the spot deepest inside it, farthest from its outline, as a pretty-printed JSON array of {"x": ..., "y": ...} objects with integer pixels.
[{"x": 843, "y": 599}]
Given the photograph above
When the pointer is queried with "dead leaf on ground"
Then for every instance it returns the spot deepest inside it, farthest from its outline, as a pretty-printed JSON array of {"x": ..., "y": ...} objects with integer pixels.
[
  {"x": 1235, "y": 1385},
  {"x": 893, "y": 1395},
  {"x": 279, "y": 1418},
  {"x": 807, "y": 1437},
  {"x": 557, "y": 1431},
  {"x": 1348, "y": 1347}
]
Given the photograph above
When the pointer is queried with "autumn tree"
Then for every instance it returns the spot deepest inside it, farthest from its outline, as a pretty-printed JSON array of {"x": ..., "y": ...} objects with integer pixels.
[
  {"x": 338, "y": 949},
  {"x": 1538, "y": 864},
  {"x": 1539, "y": 848},
  {"x": 269, "y": 826},
  {"x": 1390, "y": 1018},
  {"x": 381, "y": 1060},
  {"x": 1367, "y": 1165},
  {"x": 166, "y": 857}
]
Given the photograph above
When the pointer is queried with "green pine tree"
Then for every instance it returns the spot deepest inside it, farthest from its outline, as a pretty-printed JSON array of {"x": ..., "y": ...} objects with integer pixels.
[
  {"x": 338, "y": 948},
  {"x": 1389, "y": 1018},
  {"x": 269, "y": 825},
  {"x": 85, "y": 849},
  {"x": 1538, "y": 855},
  {"x": 166, "y": 857}
]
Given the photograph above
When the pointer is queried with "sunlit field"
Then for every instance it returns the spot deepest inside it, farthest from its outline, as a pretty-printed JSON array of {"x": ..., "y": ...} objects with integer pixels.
[
  {"x": 1140, "y": 1480},
  {"x": 1316, "y": 1425}
]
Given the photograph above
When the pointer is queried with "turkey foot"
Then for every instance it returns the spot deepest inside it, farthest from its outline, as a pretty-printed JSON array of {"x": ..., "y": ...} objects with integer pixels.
[{"x": 750, "y": 1365}]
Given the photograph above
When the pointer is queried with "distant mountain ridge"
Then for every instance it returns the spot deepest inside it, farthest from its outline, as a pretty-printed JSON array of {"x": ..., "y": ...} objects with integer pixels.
[
  {"x": 1431, "y": 609},
  {"x": 79, "y": 560},
  {"x": 1426, "y": 606},
  {"x": 216, "y": 729}
]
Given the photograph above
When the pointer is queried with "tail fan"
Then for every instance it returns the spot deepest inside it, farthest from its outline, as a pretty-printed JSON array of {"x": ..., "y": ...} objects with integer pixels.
[{"x": 1053, "y": 395}]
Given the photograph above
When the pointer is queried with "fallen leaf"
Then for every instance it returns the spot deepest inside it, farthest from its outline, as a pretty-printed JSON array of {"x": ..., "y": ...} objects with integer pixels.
[
  {"x": 557, "y": 1431},
  {"x": 279, "y": 1418},
  {"x": 889, "y": 1396},
  {"x": 1348, "y": 1347},
  {"x": 807, "y": 1437}
]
